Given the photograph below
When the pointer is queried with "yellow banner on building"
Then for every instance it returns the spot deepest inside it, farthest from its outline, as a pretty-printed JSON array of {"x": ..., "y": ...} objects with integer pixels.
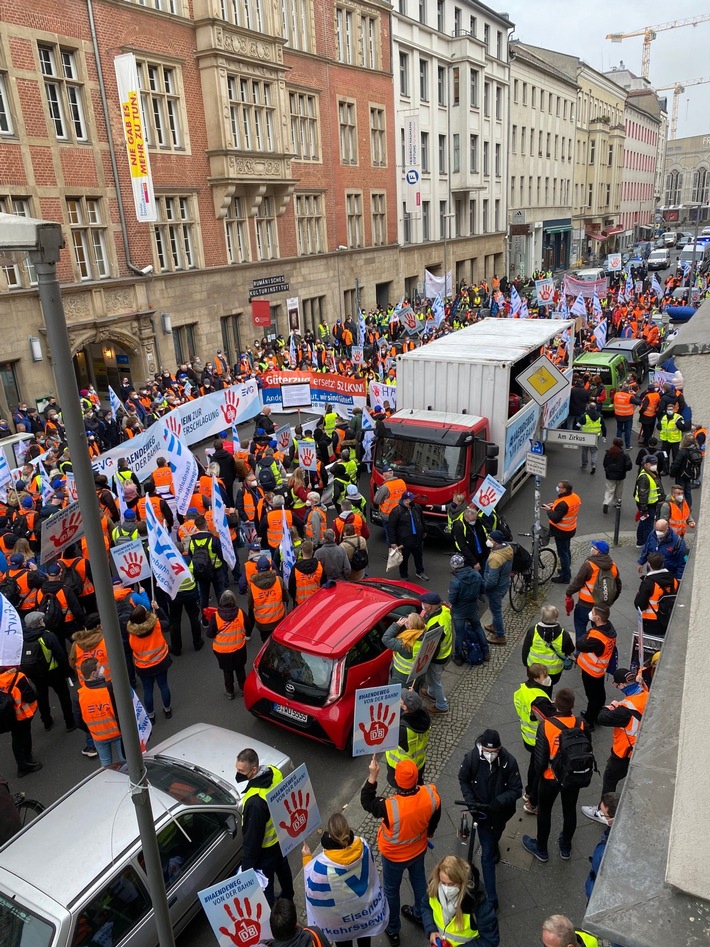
[{"x": 134, "y": 135}]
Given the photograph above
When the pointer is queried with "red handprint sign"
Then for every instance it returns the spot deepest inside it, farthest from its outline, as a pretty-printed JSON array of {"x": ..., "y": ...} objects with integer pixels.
[
  {"x": 486, "y": 497},
  {"x": 306, "y": 456},
  {"x": 132, "y": 566},
  {"x": 297, "y": 812},
  {"x": 545, "y": 293},
  {"x": 284, "y": 439},
  {"x": 381, "y": 719},
  {"x": 68, "y": 530},
  {"x": 408, "y": 319},
  {"x": 174, "y": 424},
  {"x": 247, "y": 928},
  {"x": 230, "y": 406}
]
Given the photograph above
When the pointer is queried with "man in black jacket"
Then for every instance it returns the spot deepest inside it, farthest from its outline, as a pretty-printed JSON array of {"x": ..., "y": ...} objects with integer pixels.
[
  {"x": 227, "y": 467},
  {"x": 490, "y": 783},
  {"x": 406, "y": 529},
  {"x": 45, "y": 663}
]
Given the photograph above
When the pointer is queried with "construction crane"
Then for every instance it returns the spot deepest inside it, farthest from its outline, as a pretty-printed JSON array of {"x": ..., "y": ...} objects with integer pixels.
[
  {"x": 649, "y": 34},
  {"x": 678, "y": 89}
]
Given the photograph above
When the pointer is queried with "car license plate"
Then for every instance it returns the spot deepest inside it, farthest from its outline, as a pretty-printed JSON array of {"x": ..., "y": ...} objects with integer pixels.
[{"x": 295, "y": 715}]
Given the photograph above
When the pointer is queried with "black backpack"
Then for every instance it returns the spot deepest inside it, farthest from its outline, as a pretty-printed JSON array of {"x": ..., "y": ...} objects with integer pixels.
[
  {"x": 71, "y": 579},
  {"x": 202, "y": 565},
  {"x": 11, "y": 590},
  {"x": 574, "y": 762},
  {"x": 7, "y": 707},
  {"x": 52, "y": 611},
  {"x": 691, "y": 467},
  {"x": 267, "y": 480},
  {"x": 360, "y": 559},
  {"x": 605, "y": 588},
  {"x": 666, "y": 603},
  {"x": 522, "y": 560}
]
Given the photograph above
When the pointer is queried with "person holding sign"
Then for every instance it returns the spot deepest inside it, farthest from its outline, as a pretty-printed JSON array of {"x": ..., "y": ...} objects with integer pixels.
[
  {"x": 403, "y": 637},
  {"x": 260, "y": 846}
]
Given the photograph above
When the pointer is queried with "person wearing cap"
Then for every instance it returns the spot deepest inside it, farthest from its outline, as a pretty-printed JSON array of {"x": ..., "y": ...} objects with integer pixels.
[
  {"x": 126, "y": 531},
  {"x": 387, "y": 497},
  {"x": 27, "y": 523},
  {"x": 465, "y": 589},
  {"x": 496, "y": 582},
  {"x": 437, "y": 615},
  {"x": 414, "y": 732},
  {"x": 562, "y": 514},
  {"x": 249, "y": 570},
  {"x": 490, "y": 783},
  {"x": 598, "y": 579},
  {"x": 408, "y": 819},
  {"x": 69, "y": 602},
  {"x": 648, "y": 493},
  {"x": 44, "y": 662},
  {"x": 407, "y": 530},
  {"x": 357, "y": 500},
  {"x": 267, "y": 597},
  {"x": 625, "y": 717}
]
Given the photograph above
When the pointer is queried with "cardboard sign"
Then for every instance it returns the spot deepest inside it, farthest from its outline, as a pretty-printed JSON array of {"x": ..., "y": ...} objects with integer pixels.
[
  {"x": 430, "y": 642},
  {"x": 376, "y": 721},
  {"x": 283, "y": 437},
  {"x": 488, "y": 495},
  {"x": 293, "y": 808},
  {"x": 131, "y": 562},
  {"x": 61, "y": 530},
  {"x": 237, "y": 910}
]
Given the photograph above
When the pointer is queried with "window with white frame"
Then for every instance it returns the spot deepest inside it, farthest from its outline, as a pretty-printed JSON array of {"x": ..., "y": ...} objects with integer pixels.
[
  {"x": 353, "y": 211},
  {"x": 6, "y": 126},
  {"x": 347, "y": 117},
  {"x": 63, "y": 91},
  {"x": 304, "y": 126},
  {"x": 310, "y": 224},
  {"x": 404, "y": 74},
  {"x": 441, "y": 85},
  {"x": 423, "y": 80},
  {"x": 497, "y": 161},
  {"x": 162, "y": 109},
  {"x": 442, "y": 154},
  {"x": 88, "y": 234},
  {"x": 244, "y": 13},
  {"x": 440, "y": 15},
  {"x": 486, "y": 158},
  {"x": 473, "y": 92},
  {"x": 378, "y": 204},
  {"x": 251, "y": 113},
  {"x": 266, "y": 238},
  {"x": 237, "y": 231},
  {"x": 344, "y": 34},
  {"x": 473, "y": 153},
  {"x": 499, "y": 103},
  {"x": 486, "y": 99},
  {"x": 17, "y": 275},
  {"x": 369, "y": 31},
  {"x": 378, "y": 138},
  {"x": 175, "y": 233},
  {"x": 426, "y": 220},
  {"x": 424, "y": 153},
  {"x": 296, "y": 24},
  {"x": 456, "y": 158},
  {"x": 166, "y": 6}
]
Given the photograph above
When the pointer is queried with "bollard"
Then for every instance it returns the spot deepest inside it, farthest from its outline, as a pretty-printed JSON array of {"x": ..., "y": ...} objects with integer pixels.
[{"x": 617, "y": 521}]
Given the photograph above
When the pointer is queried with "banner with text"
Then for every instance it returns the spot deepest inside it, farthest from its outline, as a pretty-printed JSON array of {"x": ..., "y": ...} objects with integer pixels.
[
  {"x": 60, "y": 531},
  {"x": 293, "y": 809},
  {"x": 342, "y": 391},
  {"x": 129, "y": 95},
  {"x": 376, "y": 721},
  {"x": 380, "y": 393},
  {"x": 577, "y": 287}
]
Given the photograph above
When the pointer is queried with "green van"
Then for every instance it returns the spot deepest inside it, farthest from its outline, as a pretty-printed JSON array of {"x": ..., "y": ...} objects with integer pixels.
[{"x": 611, "y": 367}]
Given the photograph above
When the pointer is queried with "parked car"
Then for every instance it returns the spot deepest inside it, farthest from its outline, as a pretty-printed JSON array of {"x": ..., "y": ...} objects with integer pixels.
[
  {"x": 684, "y": 237},
  {"x": 670, "y": 238},
  {"x": 610, "y": 366},
  {"x": 305, "y": 677},
  {"x": 642, "y": 248},
  {"x": 635, "y": 351},
  {"x": 75, "y": 875},
  {"x": 705, "y": 232},
  {"x": 659, "y": 259}
]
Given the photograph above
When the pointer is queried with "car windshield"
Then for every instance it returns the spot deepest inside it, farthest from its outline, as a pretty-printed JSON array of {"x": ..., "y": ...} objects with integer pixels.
[
  {"x": 308, "y": 675},
  {"x": 420, "y": 461},
  {"x": 396, "y": 591},
  {"x": 20, "y": 927},
  {"x": 187, "y": 784}
]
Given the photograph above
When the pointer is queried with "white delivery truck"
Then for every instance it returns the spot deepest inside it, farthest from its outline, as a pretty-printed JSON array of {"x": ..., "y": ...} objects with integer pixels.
[{"x": 461, "y": 414}]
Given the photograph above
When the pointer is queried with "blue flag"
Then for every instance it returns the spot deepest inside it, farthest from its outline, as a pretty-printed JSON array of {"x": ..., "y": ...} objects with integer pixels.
[
  {"x": 362, "y": 327},
  {"x": 114, "y": 402},
  {"x": 219, "y": 518}
]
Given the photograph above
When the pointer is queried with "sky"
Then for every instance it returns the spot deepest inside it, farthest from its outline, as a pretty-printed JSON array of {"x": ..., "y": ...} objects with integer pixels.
[{"x": 677, "y": 55}]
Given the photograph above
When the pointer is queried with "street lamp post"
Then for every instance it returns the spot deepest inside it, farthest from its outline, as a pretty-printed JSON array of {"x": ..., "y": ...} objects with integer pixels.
[
  {"x": 42, "y": 241},
  {"x": 697, "y": 205}
]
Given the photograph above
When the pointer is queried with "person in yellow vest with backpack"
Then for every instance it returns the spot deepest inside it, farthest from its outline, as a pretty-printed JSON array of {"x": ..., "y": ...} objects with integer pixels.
[
  {"x": 435, "y": 613},
  {"x": 532, "y": 702},
  {"x": 547, "y": 643},
  {"x": 229, "y": 629},
  {"x": 44, "y": 662},
  {"x": 414, "y": 732}
]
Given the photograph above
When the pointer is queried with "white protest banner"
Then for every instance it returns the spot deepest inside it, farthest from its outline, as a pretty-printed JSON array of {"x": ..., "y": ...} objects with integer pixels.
[
  {"x": 576, "y": 287},
  {"x": 219, "y": 518},
  {"x": 134, "y": 132},
  {"x": 292, "y": 806},
  {"x": 182, "y": 462},
  {"x": 131, "y": 562},
  {"x": 283, "y": 437},
  {"x": 545, "y": 289},
  {"x": 376, "y": 722},
  {"x": 430, "y": 642},
  {"x": 61, "y": 530},
  {"x": 488, "y": 495},
  {"x": 166, "y": 563},
  {"x": 145, "y": 727},
  {"x": 237, "y": 910},
  {"x": 10, "y": 635},
  {"x": 5, "y": 472},
  {"x": 379, "y": 393}
]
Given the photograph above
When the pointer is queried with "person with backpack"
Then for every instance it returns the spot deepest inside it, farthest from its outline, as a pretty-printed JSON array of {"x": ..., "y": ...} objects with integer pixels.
[
  {"x": 27, "y": 523},
  {"x": 230, "y": 629},
  {"x": 465, "y": 589},
  {"x": 532, "y": 702},
  {"x": 623, "y": 714},
  {"x": 596, "y": 650},
  {"x": 565, "y": 762},
  {"x": 598, "y": 583},
  {"x": 269, "y": 472},
  {"x": 355, "y": 546},
  {"x": 685, "y": 467},
  {"x": 676, "y": 509},
  {"x": 204, "y": 552},
  {"x": 126, "y": 530},
  {"x": 671, "y": 546},
  {"x": 76, "y": 574},
  {"x": 63, "y": 612},
  {"x": 490, "y": 783},
  {"x": 656, "y": 596},
  {"x": 44, "y": 661},
  {"x": 18, "y": 705},
  {"x": 617, "y": 464}
]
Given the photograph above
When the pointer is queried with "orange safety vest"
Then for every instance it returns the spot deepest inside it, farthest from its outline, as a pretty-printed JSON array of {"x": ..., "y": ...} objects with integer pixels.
[
  {"x": 24, "y": 710},
  {"x": 625, "y": 737},
  {"x": 274, "y": 531},
  {"x": 98, "y": 713},
  {"x": 650, "y": 613},
  {"x": 107, "y": 537},
  {"x": 586, "y": 593},
  {"x": 307, "y": 585},
  {"x": 594, "y": 665},
  {"x": 653, "y": 400},
  {"x": 678, "y": 517},
  {"x": 20, "y": 576},
  {"x": 31, "y": 517},
  {"x": 29, "y": 602},
  {"x": 149, "y": 650},
  {"x": 405, "y": 834},
  {"x": 197, "y": 501},
  {"x": 568, "y": 523},
  {"x": 186, "y": 530},
  {"x": 204, "y": 485},
  {"x": 231, "y": 635},
  {"x": 155, "y": 503},
  {"x": 250, "y": 568},
  {"x": 552, "y": 735},
  {"x": 63, "y": 604},
  {"x": 396, "y": 488},
  {"x": 163, "y": 477},
  {"x": 79, "y": 566},
  {"x": 622, "y": 405},
  {"x": 268, "y": 604},
  {"x": 308, "y": 528},
  {"x": 339, "y": 525},
  {"x": 99, "y": 652},
  {"x": 252, "y": 510}
]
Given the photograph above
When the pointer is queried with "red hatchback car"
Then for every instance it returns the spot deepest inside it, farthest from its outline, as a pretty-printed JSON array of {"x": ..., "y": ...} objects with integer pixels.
[{"x": 305, "y": 676}]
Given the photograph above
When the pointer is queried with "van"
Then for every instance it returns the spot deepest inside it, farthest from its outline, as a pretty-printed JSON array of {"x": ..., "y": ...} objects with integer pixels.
[
  {"x": 692, "y": 253},
  {"x": 659, "y": 259},
  {"x": 670, "y": 239},
  {"x": 611, "y": 367},
  {"x": 590, "y": 275}
]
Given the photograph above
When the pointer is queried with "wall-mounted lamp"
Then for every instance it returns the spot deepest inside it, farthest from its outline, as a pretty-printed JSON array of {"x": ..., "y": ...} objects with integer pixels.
[
  {"x": 108, "y": 353},
  {"x": 167, "y": 321},
  {"x": 35, "y": 348}
]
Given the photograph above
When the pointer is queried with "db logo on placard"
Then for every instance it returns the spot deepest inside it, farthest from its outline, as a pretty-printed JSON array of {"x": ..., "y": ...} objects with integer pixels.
[
  {"x": 131, "y": 567},
  {"x": 68, "y": 530},
  {"x": 230, "y": 406},
  {"x": 247, "y": 929},
  {"x": 284, "y": 438},
  {"x": 380, "y": 723},
  {"x": 297, "y": 812}
]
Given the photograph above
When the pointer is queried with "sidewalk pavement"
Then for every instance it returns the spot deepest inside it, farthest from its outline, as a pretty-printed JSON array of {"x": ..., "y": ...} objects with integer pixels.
[{"x": 482, "y": 697}]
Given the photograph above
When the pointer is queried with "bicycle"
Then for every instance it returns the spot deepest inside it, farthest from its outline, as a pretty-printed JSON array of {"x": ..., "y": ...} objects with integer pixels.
[
  {"x": 521, "y": 583},
  {"x": 28, "y": 808}
]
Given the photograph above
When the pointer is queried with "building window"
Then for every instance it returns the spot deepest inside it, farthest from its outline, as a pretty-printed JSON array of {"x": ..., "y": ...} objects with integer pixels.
[
  {"x": 237, "y": 231},
  {"x": 6, "y": 127},
  {"x": 425, "y": 153},
  {"x": 348, "y": 132},
  {"x": 474, "y": 88},
  {"x": 456, "y": 158},
  {"x": 406, "y": 225},
  {"x": 539, "y": 144},
  {"x": 10, "y": 386},
  {"x": 592, "y": 150},
  {"x": 17, "y": 275},
  {"x": 610, "y": 159},
  {"x": 296, "y": 23},
  {"x": 547, "y": 145},
  {"x": 378, "y": 204},
  {"x": 487, "y": 37},
  {"x": 499, "y": 48},
  {"x": 304, "y": 126},
  {"x": 441, "y": 85},
  {"x": 442, "y": 154},
  {"x": 472, "y": 213},
  {"x": 496, "y": 215},
  {"x": 231, "y": 341},
  {"x": 533, "y": 96},
  {"x": 422, "y": 11},
  {"x": 310, "y": 224},
  {"x": 516, "y": 87},
  {"x": 514, "y": 139},
  {"x": 440, "y": 15},
  {"x": 547, "y": 191},
  {"x": 423, "y": 80},
  {"x": 353, "y": 210},
  {"x": 443, "y": 232},
  {"x": 457, "y": 21},
  {"x": 486, "y": 99},
  {"x": 486, "y": 158},
  {"x": 63, "y": 91},
  {"x": 497, "y": 161},
  {"x": 455, "y": 88},
  {"x": 344, "y": 34},
  {"x": 266, "y": 242},
  {"x": 472, "y": 26},
  {"x": 369, "y": 32},
  {"x": 404, "y": 74},
  {"x": 590, "y": 194},
  {"x": 378, "y": 138},
  {"x": 523, "y": 139},
  {"x": 538, "y": 190},
  {"x": 607, "y": 202},
  {"x": 167, "y": 6},
  {"x": 313, "y": 311},
  {"x": 174, "y": 233},
  {"x": 160, "y": 99},
  {"x": 473, "y": 153},
  {"x": 184, "y": 343},
  {"x": 88, "y": 233},
  {"x": 251, "y": 112},
  {"x": 542, "y": 100},
  {"x": 701, "y": 186},
  {"x": 426, "y": 220},
  {"x": 525, "y": 93},
  {"x": 485, "y": 215},
  {"x": 403, "y": 7},
  {"x": 499, "y": 104}
]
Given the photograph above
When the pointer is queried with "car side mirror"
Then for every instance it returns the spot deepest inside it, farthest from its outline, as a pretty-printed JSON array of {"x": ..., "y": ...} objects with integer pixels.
[
  {"x": 492, "y": 451},
  {"x": 231, "y": 826}
]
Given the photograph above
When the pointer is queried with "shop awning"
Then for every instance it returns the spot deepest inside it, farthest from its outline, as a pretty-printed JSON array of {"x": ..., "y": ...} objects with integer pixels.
[
  {"x": 613, "y": 231},
  {"x": 596, "y": 236},
  {"x": 564, "y": 229}
]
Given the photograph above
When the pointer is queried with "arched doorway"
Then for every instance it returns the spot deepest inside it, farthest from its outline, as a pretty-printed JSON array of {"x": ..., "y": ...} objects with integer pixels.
[{"x": 104, "y": 358}]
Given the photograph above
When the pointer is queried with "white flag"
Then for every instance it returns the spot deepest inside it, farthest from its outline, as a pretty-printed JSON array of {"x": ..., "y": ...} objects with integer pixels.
[
  {"x": 656, "y": 286},
  {"x": 600, "y": 334},
  {"x": 114, "y": 401},
  {"x": 579, "y": 307},
  {"x": 120, "y": 495},
  {"x": 514, "y": 302},
  {"x": 5, "y": 472},
  {"x": 10, "y": 635},
  {"x": 219, "y": 518},
  {"x": 168, "y": 566},
  {"x": 524, "y": 314},
  {"x": 367, "y": 422},
  {"x": 182, "y": 463},
  {"x": 288, "y": 556},
  {"x": 629, "y": 288},
  {"x": 143, "y": 722},
  {"x": 597, "y": 306},
  {"x": 438, "y": 310}
]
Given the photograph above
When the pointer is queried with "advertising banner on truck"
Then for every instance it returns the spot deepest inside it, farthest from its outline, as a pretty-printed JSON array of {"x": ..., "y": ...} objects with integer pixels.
[{"x": 518, "y": 432}]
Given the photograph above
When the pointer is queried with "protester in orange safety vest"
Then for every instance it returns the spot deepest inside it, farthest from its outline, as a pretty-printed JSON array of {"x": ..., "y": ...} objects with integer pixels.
[
  {"x": 408, "y": 820},
  {"x": 89, "y": 643},
  {"x": 657, "y": 583},
  {"x": 585, "y": 583},
  {"x": 146, "y": 639},
  {"x": 230, "y": 629},
  {"x": 76, "y": 571},
  {"x": 316, "y": 520},
  {"x": 387, "y": 496},
  {"x": 307, "y": 575},
  {"x": 272, "y": 527},
  {"x": 162, "y": 477},
  {"x": 675, "y": 509},
  {"x": 24, "y": 705},
  {"x": 562, "y": 514},
  {"x": 624, "y": 406},
  {"x": 98, "y": 711},
  {"x": 267, "y": 596},
  {"x": 595, "y": 653}
]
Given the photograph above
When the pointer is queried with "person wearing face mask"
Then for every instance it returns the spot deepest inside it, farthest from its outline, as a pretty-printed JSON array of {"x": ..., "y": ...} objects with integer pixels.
[
  {"x": 532, "y": 702},
  {"x": 260, "y": 846},
  {"x": 98, "y": 711},
  {"x": 625, "y": 717},
  {"x": 672, "y": 425},
  {"x": 648, "y": 493},
  {"x": 655, "y": 586},
  {"x": 496, "y": 582},
  {"x": 547, "y": 643},
  {"x": 490, "y": 783},
  {"x": 607, "y": 812},
  {"x": 598, "y": 580},
  {"x": 685, "y": 469},
  {"x": 671, "y": 546},
  {"x": 562, "y": 514},
  {"x": 595, "y": 652},
  {"x": 456, "y": 910}
]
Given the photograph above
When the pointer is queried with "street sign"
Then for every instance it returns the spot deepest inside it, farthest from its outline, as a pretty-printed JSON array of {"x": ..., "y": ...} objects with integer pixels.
[
  {"x": 536, "y": 464},
  {"x": 517, "y": 217},
  {"x": 571, "y": 438},
  {"x": 536, "y": 447},
  {"x": 542, "y": 380}
]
